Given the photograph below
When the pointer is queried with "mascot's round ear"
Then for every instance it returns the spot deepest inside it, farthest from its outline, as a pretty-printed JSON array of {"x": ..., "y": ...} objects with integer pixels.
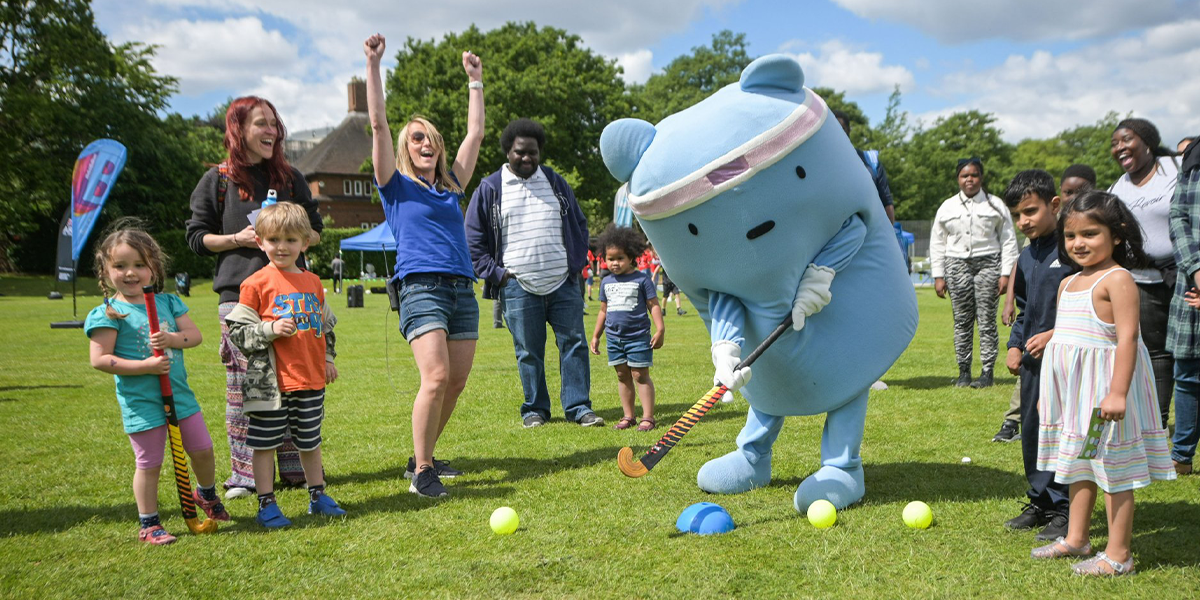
[
  {"x": 622, "y": 144},
  {"x": 773, "y": 72}
]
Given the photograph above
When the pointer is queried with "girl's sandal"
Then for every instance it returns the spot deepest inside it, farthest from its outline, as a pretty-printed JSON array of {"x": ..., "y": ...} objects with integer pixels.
[
  {"x": 1103, "y": 566},
  {"x": 1059, "y": 548},
  {"x": 647, "y": 424},
  {"x": 624, "y": 423}
]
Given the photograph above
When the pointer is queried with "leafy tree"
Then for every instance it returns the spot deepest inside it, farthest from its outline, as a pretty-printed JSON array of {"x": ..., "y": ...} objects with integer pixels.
[
  {"x": 1086, "y": 144},
  {"x": 62, "y": 85},
  {"x": 889, "y": 137},
  {"x": 544, "y": 74},
  {"x": 691, "y": 78},
  {"x": 859, "y": 125},
  {"x": 923, "y": 175}
]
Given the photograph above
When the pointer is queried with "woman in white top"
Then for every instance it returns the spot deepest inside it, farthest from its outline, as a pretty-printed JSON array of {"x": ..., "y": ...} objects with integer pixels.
[
  {"x": 972, "y": 249},
  {"x": 1146, "y": 189}
]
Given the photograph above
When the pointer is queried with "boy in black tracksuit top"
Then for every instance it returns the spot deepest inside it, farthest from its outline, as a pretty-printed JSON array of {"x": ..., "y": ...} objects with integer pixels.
[{"x": 1031, "y": 199}]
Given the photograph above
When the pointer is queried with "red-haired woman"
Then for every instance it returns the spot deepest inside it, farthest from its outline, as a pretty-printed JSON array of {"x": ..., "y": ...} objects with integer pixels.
[{"x": 221, "y": 225}]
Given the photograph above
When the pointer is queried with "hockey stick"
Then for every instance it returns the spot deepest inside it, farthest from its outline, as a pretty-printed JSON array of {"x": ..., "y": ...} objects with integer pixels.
[
  {"x": 638, "y": 468},
  {"x": 183, "y": 481}
]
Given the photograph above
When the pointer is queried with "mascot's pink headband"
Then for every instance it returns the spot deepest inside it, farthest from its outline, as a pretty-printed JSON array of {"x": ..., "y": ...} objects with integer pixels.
[{"x": 735, "y": 166}]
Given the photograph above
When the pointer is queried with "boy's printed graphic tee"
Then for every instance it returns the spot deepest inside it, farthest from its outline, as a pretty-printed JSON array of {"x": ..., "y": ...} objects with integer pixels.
[{"x": 275, "y": 294}]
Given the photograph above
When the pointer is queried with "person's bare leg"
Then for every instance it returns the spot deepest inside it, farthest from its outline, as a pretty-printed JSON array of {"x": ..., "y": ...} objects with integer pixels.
[
  {"x": 432, "y": 355},
  {"x": 310, "y": 461},
  {"x": 205, "y": 467},
  {"x": 462, "y": 356},
  {"x": 645, "y": 390},
  {"x": 1120, "y": 525},
  {"x": 1083, "y": 500},
  {"x": 625, "y": 389},
  {"x": 145, "y": 489},
  {"x": 264, "y": 471}
]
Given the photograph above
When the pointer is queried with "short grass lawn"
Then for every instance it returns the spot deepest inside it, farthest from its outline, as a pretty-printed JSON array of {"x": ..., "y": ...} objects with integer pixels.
[{"x": 68, "y": 520}]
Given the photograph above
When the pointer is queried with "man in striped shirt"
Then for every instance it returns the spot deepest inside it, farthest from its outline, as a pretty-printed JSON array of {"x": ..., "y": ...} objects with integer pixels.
[{"x": 528, "y": 240}]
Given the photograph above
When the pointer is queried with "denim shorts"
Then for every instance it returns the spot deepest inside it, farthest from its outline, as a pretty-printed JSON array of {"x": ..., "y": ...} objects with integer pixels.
[
  {"x": 431, "y": 301},
  {"x": 634, "y": 351}
]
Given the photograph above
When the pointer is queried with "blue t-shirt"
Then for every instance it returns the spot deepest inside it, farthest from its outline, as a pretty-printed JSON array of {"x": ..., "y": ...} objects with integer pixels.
[
  {"x": 627, "y": 297},
  {"x": 428, "y": 227},
  {"x": 140, "y": 396}
]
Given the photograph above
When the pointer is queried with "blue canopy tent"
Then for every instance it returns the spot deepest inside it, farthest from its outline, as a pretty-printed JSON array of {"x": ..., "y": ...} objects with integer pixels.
[{"x": 378, "y": 239}]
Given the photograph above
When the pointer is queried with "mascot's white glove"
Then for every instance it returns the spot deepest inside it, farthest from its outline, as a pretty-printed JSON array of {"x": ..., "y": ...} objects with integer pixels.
[
  {"x": 812, "y": 296},
  {"x": 726, "y": 355}
]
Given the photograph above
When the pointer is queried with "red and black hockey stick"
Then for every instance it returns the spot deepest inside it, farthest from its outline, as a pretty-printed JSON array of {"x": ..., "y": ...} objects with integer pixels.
[
  {"x": 183, "y": 481},
  {"x": 638, "y": 468}
]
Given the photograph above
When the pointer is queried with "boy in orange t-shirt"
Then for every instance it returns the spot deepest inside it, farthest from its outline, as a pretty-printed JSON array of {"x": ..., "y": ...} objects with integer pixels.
[{"x": 295, "y": 324}]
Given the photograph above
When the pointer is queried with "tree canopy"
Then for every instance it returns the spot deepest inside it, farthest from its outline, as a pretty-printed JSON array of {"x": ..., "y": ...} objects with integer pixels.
[
  {"x": 62, "y": 85},
  {"x": 689, "y": 79}
]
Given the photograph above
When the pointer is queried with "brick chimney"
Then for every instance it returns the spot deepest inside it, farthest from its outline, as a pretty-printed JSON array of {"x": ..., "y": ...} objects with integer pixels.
[{"x": 357, "y": 92}]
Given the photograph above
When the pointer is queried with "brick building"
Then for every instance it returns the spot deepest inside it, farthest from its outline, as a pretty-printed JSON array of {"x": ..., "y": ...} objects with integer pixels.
[{"x": 333, "y": 167}]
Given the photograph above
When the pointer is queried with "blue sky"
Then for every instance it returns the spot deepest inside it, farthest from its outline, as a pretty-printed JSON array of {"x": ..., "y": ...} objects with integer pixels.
[{"x": 1040, "y": 66}]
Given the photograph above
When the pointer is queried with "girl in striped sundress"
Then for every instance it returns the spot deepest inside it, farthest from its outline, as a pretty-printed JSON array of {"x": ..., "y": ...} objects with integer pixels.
[{"x": 1097, "y": 359}]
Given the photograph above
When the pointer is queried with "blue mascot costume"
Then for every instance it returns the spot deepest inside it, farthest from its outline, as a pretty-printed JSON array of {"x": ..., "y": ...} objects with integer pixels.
[{"x": 759, "y": 207}]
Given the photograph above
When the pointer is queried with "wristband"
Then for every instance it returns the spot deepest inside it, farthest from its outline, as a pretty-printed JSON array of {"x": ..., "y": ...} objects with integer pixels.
[{"x": 475, "y": 85}]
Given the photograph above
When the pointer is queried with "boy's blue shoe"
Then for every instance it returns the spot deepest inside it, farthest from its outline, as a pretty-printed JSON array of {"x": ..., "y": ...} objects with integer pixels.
[
  {"x": 324, "y": 505},
  {"x": 271, "y": 517}
]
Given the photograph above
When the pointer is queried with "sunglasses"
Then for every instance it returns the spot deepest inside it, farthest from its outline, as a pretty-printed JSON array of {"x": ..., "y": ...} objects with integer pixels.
[{"x": 417, "y": 137}]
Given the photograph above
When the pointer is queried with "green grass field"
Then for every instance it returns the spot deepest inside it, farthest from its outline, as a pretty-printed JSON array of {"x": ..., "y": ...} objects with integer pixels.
[{"x": 68, "y": 520}]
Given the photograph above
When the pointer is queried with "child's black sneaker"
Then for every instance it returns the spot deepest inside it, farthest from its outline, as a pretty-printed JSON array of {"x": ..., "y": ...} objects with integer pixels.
[
  {"x": 1031, "y": 517},
  {"x": 444, "y": 470},
  {"x": 1055, "y": 529},
  {"x": 1009, "y": 432},
  {"x": 427, "y": 484}
]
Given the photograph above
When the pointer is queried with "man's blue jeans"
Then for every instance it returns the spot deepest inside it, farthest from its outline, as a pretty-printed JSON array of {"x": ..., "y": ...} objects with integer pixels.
[
  {"x": 1187, "y": 411},
  {"x": 527, "y": 315}
]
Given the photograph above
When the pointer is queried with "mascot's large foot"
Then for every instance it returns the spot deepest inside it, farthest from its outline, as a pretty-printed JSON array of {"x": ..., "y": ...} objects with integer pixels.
[
  {"x": 838, "y": 486},
  {"x": 733, "y": 474}
]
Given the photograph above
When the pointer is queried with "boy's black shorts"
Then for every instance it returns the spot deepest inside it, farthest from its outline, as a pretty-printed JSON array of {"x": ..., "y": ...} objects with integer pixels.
[{"x": 302, "y": 413}]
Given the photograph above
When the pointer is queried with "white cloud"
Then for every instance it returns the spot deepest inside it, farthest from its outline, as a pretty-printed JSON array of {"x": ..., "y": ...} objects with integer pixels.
[
  {"x": 1038, "y": 95},
  {"x": 957, "y": 22},
  {"x": 854, "y": 72},
  {"x": 213, "y": 55},
  {"x": 637, "y": 65},
  {"x": 315, "y": 45},
  {"x": 611, "y": 27},
  {"x": 303, "y": 104}
]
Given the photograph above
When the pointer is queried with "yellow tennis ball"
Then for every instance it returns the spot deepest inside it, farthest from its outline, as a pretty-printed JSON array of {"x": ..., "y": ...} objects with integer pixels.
[
  {"x": 822, "y": 514},
  {"x": 917, "y": 515},
  {"x": 504, "y": 520}
]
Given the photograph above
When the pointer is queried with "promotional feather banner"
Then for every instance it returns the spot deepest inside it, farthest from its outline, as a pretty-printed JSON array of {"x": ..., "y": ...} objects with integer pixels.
[{"x": 96, "y": 171}]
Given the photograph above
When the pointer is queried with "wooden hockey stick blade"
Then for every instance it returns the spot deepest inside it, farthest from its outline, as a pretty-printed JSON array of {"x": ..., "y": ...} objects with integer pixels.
[
  {"x": 641, "y": 467},
  {"x": 630, "y": 467},
  {"x": 195, "y": 526}
]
